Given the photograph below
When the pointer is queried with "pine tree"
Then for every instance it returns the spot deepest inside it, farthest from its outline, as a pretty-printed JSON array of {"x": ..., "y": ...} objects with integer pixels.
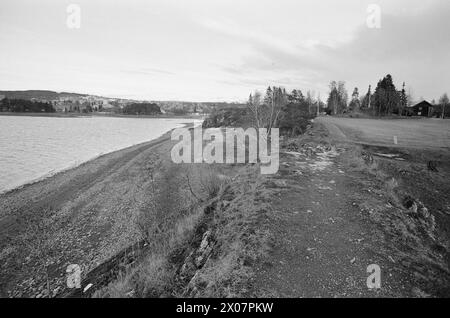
[
  {"x": 403, "y": 100},
  {"x": 355, "y": 104},
  {"x": 296, "y": 96},
  {"x": 386, "y": 99},
  {"x": 269, "y": 96}
]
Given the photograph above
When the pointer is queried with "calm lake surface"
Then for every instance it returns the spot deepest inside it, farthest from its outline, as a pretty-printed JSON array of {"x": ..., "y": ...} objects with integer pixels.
[{"x": 35, "y": 147}]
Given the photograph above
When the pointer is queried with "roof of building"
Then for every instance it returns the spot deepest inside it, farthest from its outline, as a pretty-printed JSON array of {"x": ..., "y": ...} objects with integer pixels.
[{"x": 422, "y": 103}]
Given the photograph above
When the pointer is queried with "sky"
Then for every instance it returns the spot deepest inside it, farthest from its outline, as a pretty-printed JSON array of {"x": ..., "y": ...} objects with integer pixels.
[{"x": 222, "y": 50}]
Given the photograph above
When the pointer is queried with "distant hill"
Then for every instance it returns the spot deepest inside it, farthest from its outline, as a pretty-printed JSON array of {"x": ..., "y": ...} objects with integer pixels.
[
  {"x": 38, "y": 94},
  {"x": 194, "y": 107},
  {"x": 176, "y": 107}
]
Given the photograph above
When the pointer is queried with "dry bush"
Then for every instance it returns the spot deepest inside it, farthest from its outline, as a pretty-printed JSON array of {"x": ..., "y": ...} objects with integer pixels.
[
  {"x": 211, "y": 182},
  {"x": 205, "y": 181},
  {"x": 152, "y": 277},
  {"x": 120, "y": 288},
  {"x": 240, "y": 237},
  {"x": 167, "y": 224}
]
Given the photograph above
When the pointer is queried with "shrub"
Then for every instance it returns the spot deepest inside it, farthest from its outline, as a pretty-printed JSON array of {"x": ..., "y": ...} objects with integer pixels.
[
  {"x": 294, "y": 119},
  {"x": 229, "y": 117}
]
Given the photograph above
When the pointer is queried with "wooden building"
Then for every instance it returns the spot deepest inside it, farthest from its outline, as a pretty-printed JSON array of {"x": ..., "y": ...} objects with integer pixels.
[{"x": 424, "y": 109}]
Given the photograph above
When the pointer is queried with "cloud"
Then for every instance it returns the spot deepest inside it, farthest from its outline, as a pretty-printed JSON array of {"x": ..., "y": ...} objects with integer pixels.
[
  {"x": 413, "y": 47},
  {"x": 147, "y": 71}
]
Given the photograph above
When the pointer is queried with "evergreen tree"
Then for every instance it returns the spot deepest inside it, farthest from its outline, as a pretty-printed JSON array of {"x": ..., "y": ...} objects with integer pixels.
[
  {"x": 386, "y": 99},
  {"x": 269, "y": 96},
  {"x": 403, "y": 100},
  {"x": 296, "y": 96},
  {"x": 355, "y": 103}
]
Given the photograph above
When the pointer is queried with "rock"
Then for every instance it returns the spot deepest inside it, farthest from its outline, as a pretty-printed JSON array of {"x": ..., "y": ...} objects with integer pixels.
[
  {"x": 188, "y": 267},
  {"x": 416, "y": 207},
  {"x": 204, "y": 250},
  {"x": 280, "y": 183}
]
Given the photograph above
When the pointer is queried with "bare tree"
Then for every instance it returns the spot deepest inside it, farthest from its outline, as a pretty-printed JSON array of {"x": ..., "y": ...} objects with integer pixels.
[
  {"x": 279, "y": 100},
  {"x": 266, "y": 114},
  {"x": 255, "y": 106},
  {"x": 310, "y": 99}
]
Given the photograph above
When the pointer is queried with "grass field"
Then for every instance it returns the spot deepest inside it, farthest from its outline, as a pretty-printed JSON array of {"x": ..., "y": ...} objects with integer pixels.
[{"x": 431, "y": 134}]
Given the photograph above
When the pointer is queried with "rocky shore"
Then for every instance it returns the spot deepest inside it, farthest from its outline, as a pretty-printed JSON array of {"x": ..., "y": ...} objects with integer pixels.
[{"x": 81, "y": 216}]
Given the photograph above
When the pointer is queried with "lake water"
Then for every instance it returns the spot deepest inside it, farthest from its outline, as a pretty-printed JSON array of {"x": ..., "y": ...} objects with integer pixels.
[{"x": 35, "y": 147}]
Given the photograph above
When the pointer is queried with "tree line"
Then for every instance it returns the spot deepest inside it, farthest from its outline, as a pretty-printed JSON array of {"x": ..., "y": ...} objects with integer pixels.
[
  {"x": 291, "y": 112},
  {"x": 142, "y": 109},
  {"x": 23, "y": 105},
  {"x": 288, "y": 111},
  {"x": 385, "y": 100}
]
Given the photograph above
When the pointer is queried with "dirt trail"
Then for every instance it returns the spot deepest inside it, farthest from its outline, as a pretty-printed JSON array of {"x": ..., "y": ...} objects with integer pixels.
[
  {"x": 324, "y": 238},
  {"x": 321, "y": 244}
]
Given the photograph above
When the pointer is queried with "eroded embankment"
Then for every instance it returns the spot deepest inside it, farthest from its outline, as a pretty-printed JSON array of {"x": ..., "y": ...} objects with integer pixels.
[{"x": 210, "y": 248}]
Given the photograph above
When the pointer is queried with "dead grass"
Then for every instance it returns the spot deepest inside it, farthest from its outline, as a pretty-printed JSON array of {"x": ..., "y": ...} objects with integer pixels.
[
  {"x": 420, "y": 134},
  {"x": 167, "y": 224},
  {"x": 241, "y": 239},
  {"x": 410, "y": 230}
]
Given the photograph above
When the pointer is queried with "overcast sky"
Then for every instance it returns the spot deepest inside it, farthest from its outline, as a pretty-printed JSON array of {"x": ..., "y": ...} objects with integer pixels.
[{"x": 210, "y": 50}]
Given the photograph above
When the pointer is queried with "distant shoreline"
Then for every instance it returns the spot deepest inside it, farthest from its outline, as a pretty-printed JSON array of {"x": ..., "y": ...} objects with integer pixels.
[{"x": 76, "y": 115}]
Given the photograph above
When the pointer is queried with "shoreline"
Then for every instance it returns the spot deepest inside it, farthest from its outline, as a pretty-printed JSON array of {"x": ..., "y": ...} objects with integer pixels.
[
  {"x": 108, "y": 115},
  {"x": 52, "y": 173}
]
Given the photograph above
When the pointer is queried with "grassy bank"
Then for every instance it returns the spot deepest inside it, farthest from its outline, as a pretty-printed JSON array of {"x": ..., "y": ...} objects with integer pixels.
[{"x": 205, "y": 248}]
